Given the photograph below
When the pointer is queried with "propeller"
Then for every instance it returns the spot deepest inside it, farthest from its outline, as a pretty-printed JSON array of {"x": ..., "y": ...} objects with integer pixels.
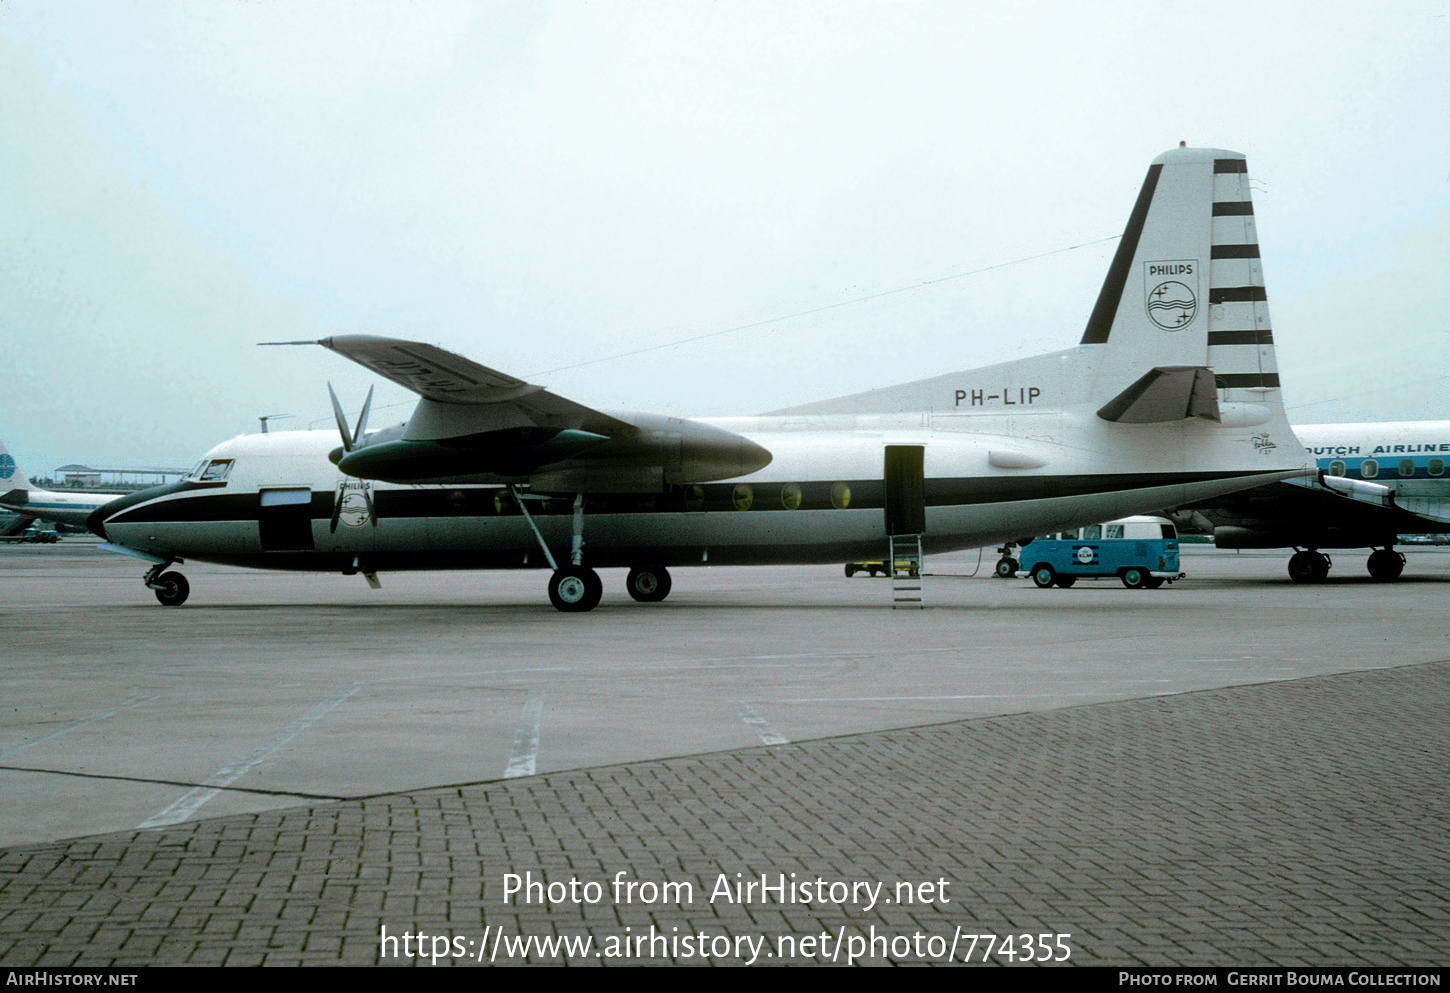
[{"x": 350, "y": 439}]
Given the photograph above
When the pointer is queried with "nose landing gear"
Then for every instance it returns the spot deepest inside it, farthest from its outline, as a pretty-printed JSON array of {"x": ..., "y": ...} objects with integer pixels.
[{"x": 171, "y": 588}]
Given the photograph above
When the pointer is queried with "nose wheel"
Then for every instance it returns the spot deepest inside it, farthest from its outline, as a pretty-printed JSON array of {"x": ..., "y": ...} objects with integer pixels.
[{"x": 171, "y": 588}]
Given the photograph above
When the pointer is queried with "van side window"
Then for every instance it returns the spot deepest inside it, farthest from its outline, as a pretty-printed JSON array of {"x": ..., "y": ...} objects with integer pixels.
[
  {"x": 1336, "y": 468},
  {"x": 1092, "y": 532},
  {"x": 1115, "y": 530},
  {"x": 1169, "y": 531}
]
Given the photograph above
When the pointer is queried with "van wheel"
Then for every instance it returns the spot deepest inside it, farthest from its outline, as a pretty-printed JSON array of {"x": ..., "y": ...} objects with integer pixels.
[
  {"x": 1043, "y": 576},
  {"x": 1065, "y": 582},
  {"x": 1134, "y": 578},
  {"x": 1153, "y": 582}
]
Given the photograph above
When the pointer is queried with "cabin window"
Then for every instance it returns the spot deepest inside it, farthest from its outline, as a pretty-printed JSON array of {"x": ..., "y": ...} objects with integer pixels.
[
  {"x": 1369, "y": 468},
  {"x": 1407, "y": 467},
  {"x": 840, "y": 496},
  {"x": 1336, "y": 468},
  {"x": 742, "y": 496},
  {"x": 1437, "y": 467},
  {"x": 790, "y": 496}
]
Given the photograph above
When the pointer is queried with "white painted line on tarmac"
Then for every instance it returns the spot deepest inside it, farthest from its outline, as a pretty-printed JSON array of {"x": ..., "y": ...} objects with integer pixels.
[
  {"x": 93, "y": 719},
  {"x": 526, "y": 739},
  {"x": 768, "y": 735},
  {"x": 190, "y": 803}
]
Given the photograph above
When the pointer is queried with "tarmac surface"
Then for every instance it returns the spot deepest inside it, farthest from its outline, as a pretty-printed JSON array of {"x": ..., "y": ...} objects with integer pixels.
[{"x": 1233, "y": 770}]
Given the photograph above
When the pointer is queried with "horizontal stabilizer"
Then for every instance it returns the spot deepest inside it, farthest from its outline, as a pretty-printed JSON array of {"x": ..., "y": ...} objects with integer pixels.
[{"x": 1167, "y": 393}]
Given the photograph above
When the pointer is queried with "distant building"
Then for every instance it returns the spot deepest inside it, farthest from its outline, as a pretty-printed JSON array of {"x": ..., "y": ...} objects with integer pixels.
[{"x": 85, "y": 477}]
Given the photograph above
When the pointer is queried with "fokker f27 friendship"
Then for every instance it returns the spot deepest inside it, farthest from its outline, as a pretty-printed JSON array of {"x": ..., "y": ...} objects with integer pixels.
[{"x": 1171, "y": 398}]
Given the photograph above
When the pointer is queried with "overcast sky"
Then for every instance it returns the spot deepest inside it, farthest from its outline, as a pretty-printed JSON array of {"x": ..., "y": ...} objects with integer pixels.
[{"x": 545, "y": 186}]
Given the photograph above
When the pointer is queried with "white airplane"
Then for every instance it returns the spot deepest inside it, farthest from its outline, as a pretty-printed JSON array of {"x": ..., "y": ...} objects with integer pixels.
[
  {"x": 1377, "y": 481},
  {"x": 1171, "y": 397},
  {"x": 61, "y": 506}
]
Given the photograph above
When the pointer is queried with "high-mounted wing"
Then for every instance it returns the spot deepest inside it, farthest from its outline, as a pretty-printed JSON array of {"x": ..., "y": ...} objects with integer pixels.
[{"x": 476, "y": 424}]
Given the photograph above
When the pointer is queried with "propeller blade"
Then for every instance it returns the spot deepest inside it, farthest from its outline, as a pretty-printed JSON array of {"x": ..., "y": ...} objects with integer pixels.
[
  {"x": 347, "y": 442},
  {"x": 362, "y": 419}
]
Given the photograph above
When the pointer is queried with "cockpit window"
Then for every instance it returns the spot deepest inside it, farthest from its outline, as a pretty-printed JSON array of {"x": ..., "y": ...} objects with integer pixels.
[{"x": 215, "y": 471}]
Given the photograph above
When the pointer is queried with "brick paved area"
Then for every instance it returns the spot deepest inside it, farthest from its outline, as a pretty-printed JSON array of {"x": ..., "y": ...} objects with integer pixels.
[{"x": 1294, "y": 823}]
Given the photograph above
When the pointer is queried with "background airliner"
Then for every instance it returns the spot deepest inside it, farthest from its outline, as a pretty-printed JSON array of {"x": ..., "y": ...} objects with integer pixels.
[
  {"x": 69, "y": 507},
  {"x": 1377, "y": 481}
]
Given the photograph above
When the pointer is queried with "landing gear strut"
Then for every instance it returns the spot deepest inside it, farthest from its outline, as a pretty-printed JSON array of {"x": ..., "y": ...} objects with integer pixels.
[
  {"x": 573, "y": 588},
  {"x": 171, "y": 588},
  {"x": 1309, "y": 566}
]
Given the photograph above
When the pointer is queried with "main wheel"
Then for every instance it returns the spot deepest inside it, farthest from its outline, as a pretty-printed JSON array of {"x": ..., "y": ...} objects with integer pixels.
[
  {"x": 651, "y": 584},
  {"x": 575, "y": 589},
  {"x": 172, "y": 589},
  {"x": 1043, "y": 575},
  {"x": 1006, "y": 567},
  {"x": 1386, "y": 564},
  {"x": 850, "y": 571},
  {"x": 1134, "y": 578}
]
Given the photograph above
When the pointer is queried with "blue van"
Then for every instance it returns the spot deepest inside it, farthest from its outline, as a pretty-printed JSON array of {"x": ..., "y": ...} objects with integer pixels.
[{"x": 1141, "y": 551}]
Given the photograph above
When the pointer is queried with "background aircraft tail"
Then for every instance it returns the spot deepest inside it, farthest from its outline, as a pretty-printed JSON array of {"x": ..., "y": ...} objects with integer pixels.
[{"x": 11, "y": 478}]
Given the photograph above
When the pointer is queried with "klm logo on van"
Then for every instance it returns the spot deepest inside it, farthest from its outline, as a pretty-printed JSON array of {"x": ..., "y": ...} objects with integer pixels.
[{"x": 1085, "y": 554}]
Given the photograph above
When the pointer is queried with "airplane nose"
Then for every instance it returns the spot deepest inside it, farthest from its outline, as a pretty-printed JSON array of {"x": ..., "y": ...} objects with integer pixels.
[{"x": 96, "y": 521}]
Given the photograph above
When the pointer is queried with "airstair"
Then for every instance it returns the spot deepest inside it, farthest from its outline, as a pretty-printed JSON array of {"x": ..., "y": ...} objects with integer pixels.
[{"x": 906, "y": 571}]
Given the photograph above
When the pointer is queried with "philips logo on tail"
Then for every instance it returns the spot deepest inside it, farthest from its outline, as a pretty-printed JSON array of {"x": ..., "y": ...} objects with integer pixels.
[
  {"x": 1171, "y": 293},
  {"x": 7, "y": 465}
]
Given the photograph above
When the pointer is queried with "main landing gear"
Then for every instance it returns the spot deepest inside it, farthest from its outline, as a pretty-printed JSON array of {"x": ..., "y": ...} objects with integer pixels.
[
  {"x": 575, "y": 588},
  {"x": 1311, "y": 566},
  {"x": 1386, "y": 564},
  {"x": 171, "y": 588}
]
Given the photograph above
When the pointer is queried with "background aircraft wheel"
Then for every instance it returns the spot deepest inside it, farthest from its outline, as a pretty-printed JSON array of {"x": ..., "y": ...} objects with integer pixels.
[
  {"x": 1043, "y": 576},
  {"x": 1386, "y": 564},
  {"x": 651, "y": 584},
  {"x": 1134, "y": 578},
  {"x": 1065, "y": 582},
  {"x": 1301, "y": 567},
  {"x": 172, "y": 589},
  {"x": 1006, "y": 568},
  {"x": 850, "y": 571},
  {"x": 575, "y": 589},
  {"x": 1153, "y": 582}
]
